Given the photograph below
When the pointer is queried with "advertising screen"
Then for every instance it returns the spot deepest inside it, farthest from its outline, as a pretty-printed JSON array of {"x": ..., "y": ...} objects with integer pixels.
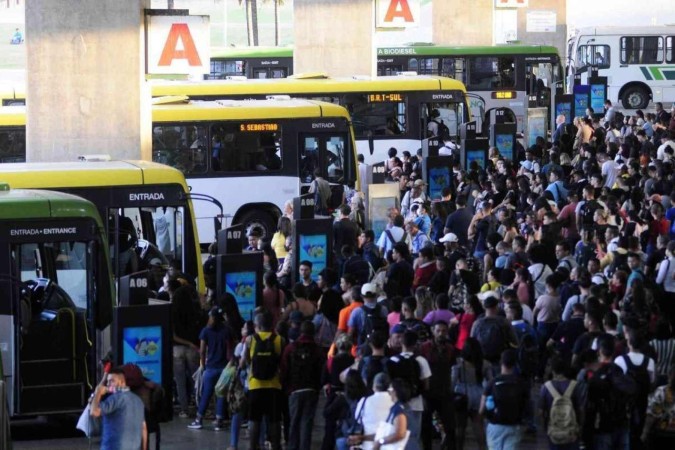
[
  {"x": 564, "y": 108},
  {"x": 598, "y": 97},
  {"x": 143, "y": 346},
  {"x": 242, "y": 286},
  {"x": 379, "y": 213},
  {"x": 504, "y": 143},
  {"x": 475, "y": 155},
  {"x": 314, "y": 248},
  {"x": 439, "y": 178},
  {"x": 581, "y": 94},
  {"x": 536, "y": 126}
]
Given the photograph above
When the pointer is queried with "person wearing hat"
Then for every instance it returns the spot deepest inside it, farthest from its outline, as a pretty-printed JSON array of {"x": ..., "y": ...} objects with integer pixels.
[
  {"x": 416, "y": 193},
  {"x": 122, "y": 413},
  {"x": 530, "y": 165},
  {"x": 253, "y": 236},
  {"x": 370, "y": 317}
]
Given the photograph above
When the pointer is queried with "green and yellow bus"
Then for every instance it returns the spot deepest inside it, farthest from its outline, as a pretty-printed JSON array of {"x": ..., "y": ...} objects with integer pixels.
[
  {"x": 12, "y": 134},
  {"x": 499, "y": 76},
  {"x": 148, "y": 209},
  {"x": 250, "y": 62},
  {"x": 391, "y": 111},
  {"x": 57, "y": 300}
]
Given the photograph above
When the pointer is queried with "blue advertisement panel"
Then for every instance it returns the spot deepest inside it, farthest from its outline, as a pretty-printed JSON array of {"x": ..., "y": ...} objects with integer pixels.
[
  {"x": 581, "y": 94},
  {"x": 242, "y": 286},
  {"x": 504, "y": 143},
  {"x": 598, "y": 94},
  {"x": 439, "y": 179},
  {"x": 314, "y": 248},
  {"x": 564, "y": 108},
  {"x": 536, "y": 126},
  {"x": 475, "y": 155},
  {"x": 143, "y": 346},
  {"x": 379, "y": 213}
]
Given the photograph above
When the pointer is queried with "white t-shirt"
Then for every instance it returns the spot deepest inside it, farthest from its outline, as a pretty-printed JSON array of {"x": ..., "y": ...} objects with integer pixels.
[
  {"x": 609, "y": 172},
  {"x": 416, "y": 403},
  {"x": 527, "y": 314},
  {"x": 637, "y": 359},
  {"x": 376, "y": 410}
]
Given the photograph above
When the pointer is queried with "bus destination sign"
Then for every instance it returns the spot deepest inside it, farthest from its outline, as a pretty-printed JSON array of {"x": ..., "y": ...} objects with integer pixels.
[
  {"x": 247, "y": 127},
  {"x": 503, "y": 95},
  {"x": 386, "y": 97}
]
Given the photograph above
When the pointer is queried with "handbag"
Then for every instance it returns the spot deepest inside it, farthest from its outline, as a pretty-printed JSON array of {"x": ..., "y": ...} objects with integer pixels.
[
  {"x": 354, "y": 426},
  {"x": 461, "y": 399},
  {"x": 225, "y": 379},
  {"x": 386, "y": 428}
]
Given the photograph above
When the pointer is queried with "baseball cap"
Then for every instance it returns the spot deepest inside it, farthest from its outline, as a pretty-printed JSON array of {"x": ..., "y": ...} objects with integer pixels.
[
  {"x": 450, "y": 237},
  {"x": 398, "y": 329},
  {"x": 419, "y": 183},
  {"x": 369, "y": 290}
]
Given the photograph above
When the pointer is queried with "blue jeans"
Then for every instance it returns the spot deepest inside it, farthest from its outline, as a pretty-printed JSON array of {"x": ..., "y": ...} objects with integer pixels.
[
  {"x": 302, "y": 409},
  {"x": 415, "y": 428},
  {"x": 235, "y": 428},
  {"x": 616, "y": 440},
  {"x": 208, "y": 386},
  {"x": 341, "y": 443},
  {"x": 185, "y": 363},
  {"x": 503, "y": 437}
]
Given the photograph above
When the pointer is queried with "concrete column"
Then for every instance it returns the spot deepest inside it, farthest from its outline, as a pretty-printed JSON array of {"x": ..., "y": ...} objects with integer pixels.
[
  {"x": 334, "y": 37},
  {"x": 461, "y": 22},
  {"x": 85, "y": 79}
]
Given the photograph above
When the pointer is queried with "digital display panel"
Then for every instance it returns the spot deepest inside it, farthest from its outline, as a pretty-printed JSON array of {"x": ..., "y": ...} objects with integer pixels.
[
  {"x": 598, "y": 97},
  {"x": 503, "y": 95},
  {"x": 581, "y": 99},
  {"x": 259, "y": 127},
  {"x": 379, "y": 213},
  {"x": 564, "y": 108},
  {"x": 504, "y": 143},
  {"x": 314, "y": 248},
  {"x": 143, "y": 346},
  {"x": 475, "y": 155},
  {"x": 242, "y": 286},
  {"x": 536, "y": 126},
  {"x": 386, "y": 97},
  {"x": 439, "y": 178}
]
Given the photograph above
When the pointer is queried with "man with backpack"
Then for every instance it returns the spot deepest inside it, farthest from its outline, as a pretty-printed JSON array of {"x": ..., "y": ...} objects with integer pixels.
[
  {"x": 376, "y": 362},
  {"x": 415, "y": 370},
  {"x": 262, "y": 354},
  {"x": 504, "y": 402},
  {"x": 561, "y": 406},
  {"x": 641, "y": 369},
  {"x": 494, "y": 333},
  {"x": 301, "y": 368},
  {"x": 440, "y": 354},
  {"x": 370, "y": 317}
]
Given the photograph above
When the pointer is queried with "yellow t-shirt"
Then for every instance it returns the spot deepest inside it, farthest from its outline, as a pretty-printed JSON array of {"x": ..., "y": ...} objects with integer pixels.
[
  {"x": 254, "y": 383},
  {"x": 490, "y": 286},
  {"x": 278, "y": 242}
]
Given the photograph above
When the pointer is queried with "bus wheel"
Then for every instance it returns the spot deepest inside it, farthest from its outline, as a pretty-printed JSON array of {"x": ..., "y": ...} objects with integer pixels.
[
  {"x": 258, "y": 218},
  {"x": 635, "y": 97}
]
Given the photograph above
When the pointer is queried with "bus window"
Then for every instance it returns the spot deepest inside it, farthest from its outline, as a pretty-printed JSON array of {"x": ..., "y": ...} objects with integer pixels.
[
  {"x": 426, "y": 66},
  {"x": 279, "y": 73},
  {"x": 593, "y": 55},
  {"x": 335, "y": 158},
  {"x": 309, "y": 158},
  {"x": 181, "y": 146},
  {"x": 222, "y": 69},
  {"x": 246, "y": 147},
  {"x": 641, "y": 49},
  {"x": 454, "y": 68},
  {"x": 491, "y": 72},
  {"x": 260, "y": 73},
  {"x": 13, "y": 145},
  {"x": 450, "y": 113},
  {"x": 372, "y": 113},
  {"x": 670, "y": 55}
]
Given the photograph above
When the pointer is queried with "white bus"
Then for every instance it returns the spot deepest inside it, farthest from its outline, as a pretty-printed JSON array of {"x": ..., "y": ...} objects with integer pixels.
[{"x": 639, "y": 62}]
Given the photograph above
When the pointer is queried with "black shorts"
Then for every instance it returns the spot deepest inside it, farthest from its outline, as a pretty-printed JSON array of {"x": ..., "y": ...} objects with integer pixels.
[{"x": 264, "y": 402}]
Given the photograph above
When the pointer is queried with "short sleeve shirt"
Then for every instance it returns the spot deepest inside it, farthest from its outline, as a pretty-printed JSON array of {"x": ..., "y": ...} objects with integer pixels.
[
  {"x": 217, "y": 340},
  {"x": 123, "y": 415},
  {"x": 416, "y": 403}
]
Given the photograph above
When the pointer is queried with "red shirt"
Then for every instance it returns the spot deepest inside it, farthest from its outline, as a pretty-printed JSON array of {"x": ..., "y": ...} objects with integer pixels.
[
  {"x": 423, "y": 274},
  {"x": 657, "y": 228},
  {"x": 465, "y": 323}
]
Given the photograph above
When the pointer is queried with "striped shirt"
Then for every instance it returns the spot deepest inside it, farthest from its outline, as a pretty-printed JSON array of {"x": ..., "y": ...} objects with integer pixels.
[{"x": 665, "y": 353}]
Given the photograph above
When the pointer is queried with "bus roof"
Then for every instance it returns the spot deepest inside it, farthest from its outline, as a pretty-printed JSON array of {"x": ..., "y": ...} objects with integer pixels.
[
  {"x": 299, "y": 85},
  {"x": 13, "y": 116},
  {"x": 431, "y": 49},
  {"x": 247, "y": 109},
  {"x": 77, "y": 174},
  {"x": 639, "y": 30},
  {"x": 251, "y": 52},
  {"x": 35, "y": 204}
]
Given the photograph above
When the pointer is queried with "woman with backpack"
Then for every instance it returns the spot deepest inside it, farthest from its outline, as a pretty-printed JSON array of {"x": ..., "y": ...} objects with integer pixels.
[
  {"x": 469, "y": 377},
  {"x": 344, "y": 408},
  {"x": 214, "y": 350}
]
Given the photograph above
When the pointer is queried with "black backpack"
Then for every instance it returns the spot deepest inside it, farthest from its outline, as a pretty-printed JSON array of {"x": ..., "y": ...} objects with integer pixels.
[
  {"x": 443, "y": 130},
  {"x": 372, "y": 365},
  {"x": 265, "y": 361},
  {"x": 302, "y": 362},
  {"x": 587, "y": 211},
  {"x": 373, "y": 320},
  {"x": 509, "y": 402},
  {"x": 492, "y": 338},
  {"x": 528, "y": 353},
  {"x": 408, "y": 369},
  {"x": 640, "y": 375},
  {"x": 609, "y": 395},
  {"x": 441, "y": 365}
]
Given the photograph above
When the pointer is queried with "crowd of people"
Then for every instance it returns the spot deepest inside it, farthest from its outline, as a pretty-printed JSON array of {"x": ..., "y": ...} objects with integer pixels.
[{"x": 535, "y": 294}]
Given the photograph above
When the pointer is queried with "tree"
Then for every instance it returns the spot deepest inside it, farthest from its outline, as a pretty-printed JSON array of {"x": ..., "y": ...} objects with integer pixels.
[
  {"x": 251, "y": 20},
  {"x": 277, "y": 4}
]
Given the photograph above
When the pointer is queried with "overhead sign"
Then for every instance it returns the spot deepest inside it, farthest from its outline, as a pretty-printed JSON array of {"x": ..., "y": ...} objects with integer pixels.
[
  {"x": 510, "y": 3},
  {"x": 178, "y": 44},
  {"x": 541, "y": 21},
  {"x": 397, "y": 13}
]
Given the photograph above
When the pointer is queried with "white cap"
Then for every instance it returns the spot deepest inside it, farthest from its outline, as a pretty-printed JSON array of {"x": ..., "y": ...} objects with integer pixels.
[
  {"x": 482, "y": 296},
  {"x": 450, "y": 237},
  {"x": 369, "y": 290}
]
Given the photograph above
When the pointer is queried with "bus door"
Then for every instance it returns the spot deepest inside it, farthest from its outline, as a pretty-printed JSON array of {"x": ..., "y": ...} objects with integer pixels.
[
  {"x": 270, "y": 72},
  {"x": 477, "y": 108},
  {"x": 541, "y": 78},
  {"x": 61, "y": 298},
  {"x": 328, "y": 154}
]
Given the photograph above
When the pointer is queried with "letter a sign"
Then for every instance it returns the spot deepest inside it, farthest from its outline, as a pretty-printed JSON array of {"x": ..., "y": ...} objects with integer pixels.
[
  {"x": 178, "y": 45},
  {"x": 398, "y": 13}
]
